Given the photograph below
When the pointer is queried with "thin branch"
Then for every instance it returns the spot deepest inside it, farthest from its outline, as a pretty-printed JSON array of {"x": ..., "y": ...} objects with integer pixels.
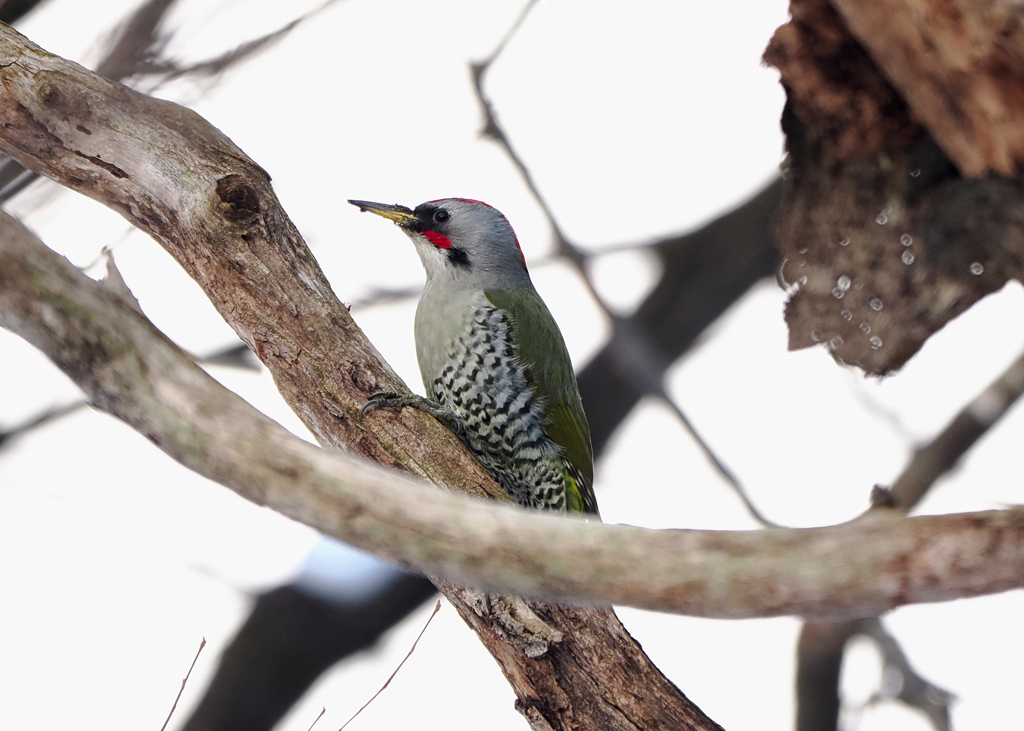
[
  {"x": 874, "y": 407},
  {"x": 643, "y": 357},
  {"x": 184, "y": 681},
  {"x": 509, "y": 34},
  {"x": 860, "y": 568},
  {"x": 243, "y": 52},
  {"x": 437, "y": 608},
  {"x": 636, "y": 356}
]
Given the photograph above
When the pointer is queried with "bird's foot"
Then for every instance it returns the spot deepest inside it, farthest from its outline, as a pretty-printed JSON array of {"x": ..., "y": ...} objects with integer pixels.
[
  {"x": 391, "y": 400},
  {"x": 517, "y": 621}
]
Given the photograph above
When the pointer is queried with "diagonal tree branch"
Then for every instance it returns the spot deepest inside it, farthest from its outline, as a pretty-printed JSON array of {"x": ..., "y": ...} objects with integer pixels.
[{"x": 179, "y": 179}]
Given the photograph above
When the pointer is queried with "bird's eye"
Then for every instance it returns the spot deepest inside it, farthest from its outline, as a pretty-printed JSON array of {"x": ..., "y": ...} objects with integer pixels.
[{"x": 441, "y": 216}]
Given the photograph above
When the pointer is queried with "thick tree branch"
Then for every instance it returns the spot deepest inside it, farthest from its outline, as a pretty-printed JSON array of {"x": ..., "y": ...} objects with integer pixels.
[
  {"x": 131, "y": 370},
  {"x": 183, "y": 182}
]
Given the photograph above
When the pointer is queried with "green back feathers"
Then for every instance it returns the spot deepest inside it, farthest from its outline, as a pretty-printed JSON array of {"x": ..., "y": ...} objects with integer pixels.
[{"x": 542, "y": 352}]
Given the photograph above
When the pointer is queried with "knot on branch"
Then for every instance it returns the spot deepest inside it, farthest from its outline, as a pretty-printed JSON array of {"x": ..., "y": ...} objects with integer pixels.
[
  {"x": 240, "y": 203},
  {"x": 50, "y": 96}
]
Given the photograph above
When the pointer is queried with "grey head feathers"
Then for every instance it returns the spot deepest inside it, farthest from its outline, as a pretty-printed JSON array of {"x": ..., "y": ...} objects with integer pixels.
[{"x": 466, "y": 244}]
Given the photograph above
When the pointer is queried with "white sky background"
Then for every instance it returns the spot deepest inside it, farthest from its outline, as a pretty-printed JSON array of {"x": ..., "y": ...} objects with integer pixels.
[{"x": 636, "y": 122}]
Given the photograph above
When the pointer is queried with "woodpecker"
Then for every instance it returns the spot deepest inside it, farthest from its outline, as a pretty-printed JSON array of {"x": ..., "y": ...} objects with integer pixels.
[{"x": 493, "y": 361}]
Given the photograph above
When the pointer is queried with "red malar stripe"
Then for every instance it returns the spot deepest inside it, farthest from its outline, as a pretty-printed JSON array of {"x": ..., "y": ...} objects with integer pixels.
[{"x": 439, "y": 240}]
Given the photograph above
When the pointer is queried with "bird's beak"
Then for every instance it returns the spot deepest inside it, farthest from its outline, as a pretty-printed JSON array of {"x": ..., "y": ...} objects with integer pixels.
[{"x": 399, "y": 214}]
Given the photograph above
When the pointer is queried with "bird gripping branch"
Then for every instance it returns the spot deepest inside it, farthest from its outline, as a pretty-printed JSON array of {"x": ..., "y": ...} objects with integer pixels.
[{"x": 492, "y": 359}]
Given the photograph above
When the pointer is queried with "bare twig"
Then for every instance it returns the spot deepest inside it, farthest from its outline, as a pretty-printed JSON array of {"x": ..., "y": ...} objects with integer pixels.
[
  {"x": 637, "y": 356},
  {"x": 437, "y": 608},
  {"x": 184, "y": 680},
  {"x": 639, "y": 352},
  {"x": 874, "y": 407},
  {"x": 137, "y": 47}
]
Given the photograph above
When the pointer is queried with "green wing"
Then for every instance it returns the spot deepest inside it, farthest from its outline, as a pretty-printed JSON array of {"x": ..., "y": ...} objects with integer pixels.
[{"x": 549, "y": 370}]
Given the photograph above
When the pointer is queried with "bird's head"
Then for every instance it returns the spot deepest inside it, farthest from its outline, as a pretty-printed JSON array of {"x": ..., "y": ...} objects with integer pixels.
[{"x": 462, "y": 241}]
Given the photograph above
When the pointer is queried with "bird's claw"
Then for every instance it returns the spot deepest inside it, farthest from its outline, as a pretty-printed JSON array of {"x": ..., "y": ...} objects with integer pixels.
[
  {"x": 378, "y": 399},
  {"x": 386, "y": 399}
]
